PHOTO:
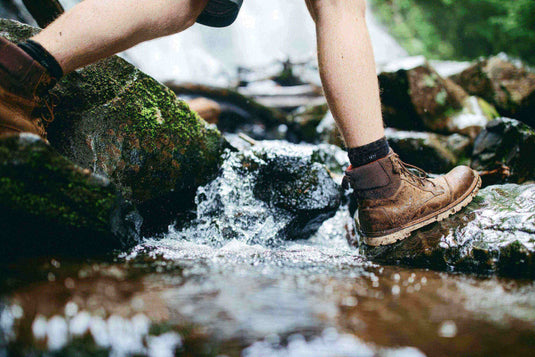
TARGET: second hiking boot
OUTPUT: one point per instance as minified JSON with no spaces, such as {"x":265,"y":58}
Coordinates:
{"x":23,"y":84}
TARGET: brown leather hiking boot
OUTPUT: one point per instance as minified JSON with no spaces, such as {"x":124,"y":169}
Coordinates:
{"x":393,"y":201}
{"x":23,"y":83}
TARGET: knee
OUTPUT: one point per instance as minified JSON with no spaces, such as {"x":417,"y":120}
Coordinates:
{"x":174,"y":17}
{"x":323,"y":8}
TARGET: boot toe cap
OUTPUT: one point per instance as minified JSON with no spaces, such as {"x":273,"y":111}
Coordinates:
{"x":461,"y":180}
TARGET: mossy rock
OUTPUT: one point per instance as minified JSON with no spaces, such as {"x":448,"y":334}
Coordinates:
{"x":48,"y":205}
{"x":415,"y":97}
{"x":124,"y":125}
{"x":507,"y":85}
{"x":495,"y":234}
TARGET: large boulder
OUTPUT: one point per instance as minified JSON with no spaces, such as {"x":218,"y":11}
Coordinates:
{"x":415,"y":97}
{"x":265,"y":193}
{"x":505,"y":152}
{"x":494,"y":234}
{"x":507,"y":85}
{"x":122,"y":124}
{"x":48,"y":205}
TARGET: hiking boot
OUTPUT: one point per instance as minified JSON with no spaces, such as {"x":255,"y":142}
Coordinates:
{"x":23,"y":84}
{"x":393,"y":200}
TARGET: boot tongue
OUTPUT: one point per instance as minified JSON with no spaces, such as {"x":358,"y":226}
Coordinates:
{"x":375,"y":180}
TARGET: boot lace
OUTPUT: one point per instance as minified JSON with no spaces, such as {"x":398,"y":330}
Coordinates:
{"x":44,"y":113}
{"x":414,"y":173}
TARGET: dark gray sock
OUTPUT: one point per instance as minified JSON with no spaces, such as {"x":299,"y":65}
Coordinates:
{"x":41,"y":55}
{"x":365,"y":154}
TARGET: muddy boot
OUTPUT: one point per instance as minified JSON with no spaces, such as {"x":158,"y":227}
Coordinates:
{"x":23,"y":84}
{"x":393,"y":200}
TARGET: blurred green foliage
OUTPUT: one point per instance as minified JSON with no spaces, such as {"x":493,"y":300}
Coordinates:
{"x":462,"y":29}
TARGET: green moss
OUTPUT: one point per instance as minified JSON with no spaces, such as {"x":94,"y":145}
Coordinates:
{"x":38,"y":181}
{"x":488,"y":109}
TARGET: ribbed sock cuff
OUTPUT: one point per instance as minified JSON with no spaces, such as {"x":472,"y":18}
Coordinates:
{"x":365,"y":154}
{"x":41,"y":55}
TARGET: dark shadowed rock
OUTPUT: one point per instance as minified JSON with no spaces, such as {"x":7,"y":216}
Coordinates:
{"x":432,"y":152}
{"x":506,"y":143}
{"x":48,"y":205}
{"x":494,"y":234}
{"x":124,"y":125}
{"x":510,"y":87}
{"x":415,"y":97}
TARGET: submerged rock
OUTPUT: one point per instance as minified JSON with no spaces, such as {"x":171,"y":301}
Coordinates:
{"x":48,"y":205}
{"x":494,"y":234}
{"x":124,"y":125}
{"x":510,"y":87}
{"x":432,"y":152}
{"x":415,"y":97}
{"x":505,"y":143}
{"x":272,"y":191}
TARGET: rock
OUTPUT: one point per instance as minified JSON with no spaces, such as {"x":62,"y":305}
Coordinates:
{"x":472,"y":118}
{"x":292,"y":181}
{"x":207,"y":109}
{"x":506,"y":143}
{"x":431,"y":152}
{"x":272,"y":191}
{"x":494,"y":234}
{"x":415,"y":97}
{"x":306,"y":119}
{"x":510,"y":87}
{"x":124,"y":125}
{"x":48,"y":205}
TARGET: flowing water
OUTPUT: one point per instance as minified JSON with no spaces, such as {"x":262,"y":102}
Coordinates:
{"x":227,"y":285}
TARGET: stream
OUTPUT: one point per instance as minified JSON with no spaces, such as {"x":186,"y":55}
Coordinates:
{"x":225,"y":284}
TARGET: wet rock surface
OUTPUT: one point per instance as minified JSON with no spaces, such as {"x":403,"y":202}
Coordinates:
{"x":270,"y":192}
{"x":509,"y":86}
{"x":494,"y":234}
{"x":506,"y":147}
{"x":48,"y":205}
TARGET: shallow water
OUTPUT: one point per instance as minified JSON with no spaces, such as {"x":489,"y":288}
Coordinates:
{"x":198,"y":292}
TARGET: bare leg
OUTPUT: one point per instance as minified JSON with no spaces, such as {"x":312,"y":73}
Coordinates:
{"x":347,"y":69}
{"x":95,"y":29}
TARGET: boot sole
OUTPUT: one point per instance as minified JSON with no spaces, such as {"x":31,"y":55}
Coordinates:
{"x":438,"y":216}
